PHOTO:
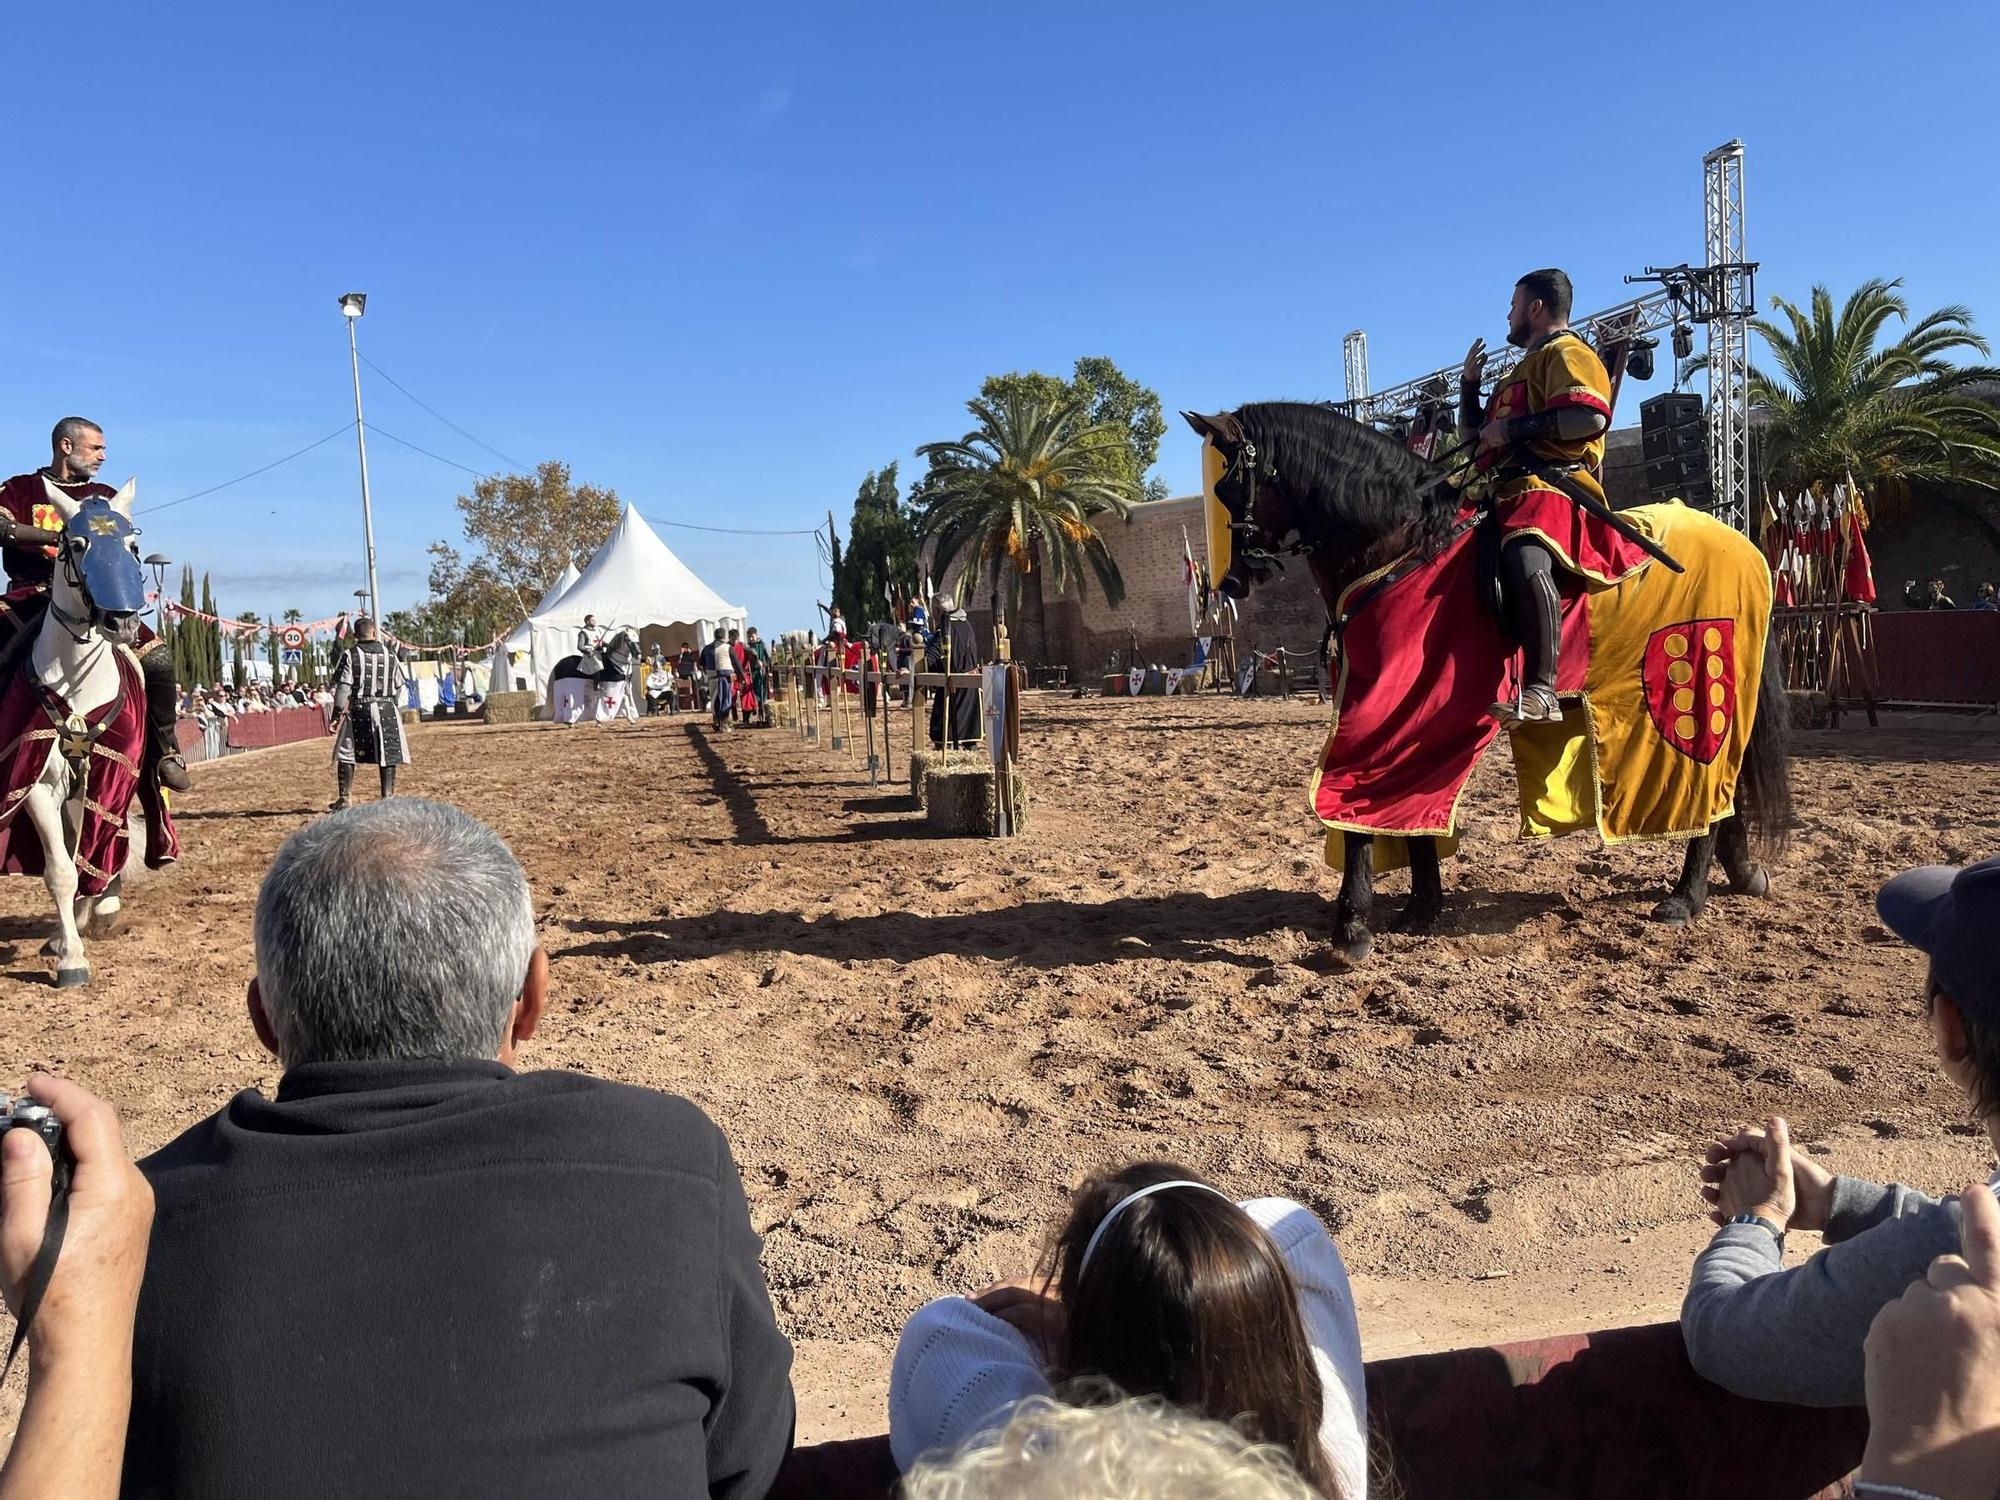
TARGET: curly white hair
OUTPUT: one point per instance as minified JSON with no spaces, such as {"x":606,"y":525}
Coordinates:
{"x":1139,"y":1446}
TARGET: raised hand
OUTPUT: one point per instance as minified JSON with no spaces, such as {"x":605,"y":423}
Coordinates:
{"x":1475,"y":363}
{"x":1933,"y":1369}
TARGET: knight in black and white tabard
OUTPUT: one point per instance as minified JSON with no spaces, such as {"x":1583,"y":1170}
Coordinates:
{"x":367,"y":706}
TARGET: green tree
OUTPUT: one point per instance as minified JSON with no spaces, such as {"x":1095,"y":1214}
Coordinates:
{"x":526,"y":529}
{"x":1023,"y":491}
{"x":1110,"y":398}
{"x":187,"y":639}
{"x":238,"y":673}
{"x":211,"y":636}
{"x":469,"y":602}
{"x":881,"y":552}
{"x":1844,"y":401}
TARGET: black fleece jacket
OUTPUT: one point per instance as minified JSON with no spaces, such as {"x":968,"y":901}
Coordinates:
{"x":445,"y":1279}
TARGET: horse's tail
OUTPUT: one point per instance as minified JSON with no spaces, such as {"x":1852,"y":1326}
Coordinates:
{"x":1764,"y":790}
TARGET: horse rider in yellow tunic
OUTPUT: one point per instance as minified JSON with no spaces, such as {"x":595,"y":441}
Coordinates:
{"x":1547,"y":416}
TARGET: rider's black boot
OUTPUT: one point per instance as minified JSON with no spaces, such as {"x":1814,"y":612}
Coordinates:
{"x":1536,"y":610}
{"x":344,"y":779}
{"x":388,"y":781}
{"x":156,"y":667}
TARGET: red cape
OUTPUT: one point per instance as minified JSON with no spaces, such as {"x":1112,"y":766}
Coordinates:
{"x":28,"y":727}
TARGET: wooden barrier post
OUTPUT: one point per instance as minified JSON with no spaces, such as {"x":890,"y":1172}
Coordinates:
{"x":867,"y":719}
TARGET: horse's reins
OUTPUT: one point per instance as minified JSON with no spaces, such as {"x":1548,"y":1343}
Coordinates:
{"x":1297,"y":542}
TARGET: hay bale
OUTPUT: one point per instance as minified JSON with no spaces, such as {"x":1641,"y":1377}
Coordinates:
{"x":413,"y":716}
{"x":1810,"y":709}
{"x":509,"y":708}
{"x":959,"y":795}
{"x":958,"y":798}
{"x":920,"y":765}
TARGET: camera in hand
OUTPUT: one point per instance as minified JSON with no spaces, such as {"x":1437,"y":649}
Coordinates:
{"x":25,"y":1114}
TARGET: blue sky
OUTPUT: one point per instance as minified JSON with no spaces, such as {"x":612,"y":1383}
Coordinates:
{"x":728,"y":259}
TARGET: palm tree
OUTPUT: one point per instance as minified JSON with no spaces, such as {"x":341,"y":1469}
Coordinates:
{"x":1891,"y":416}
{"x":1023,"y":490}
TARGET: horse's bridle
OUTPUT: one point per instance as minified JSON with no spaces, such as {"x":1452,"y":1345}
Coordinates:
{"x":1248,"y":467}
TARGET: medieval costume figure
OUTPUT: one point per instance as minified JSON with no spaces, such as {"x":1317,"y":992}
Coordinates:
{"x":749,"y":703}
{"x":955,"y":645}
{"x":1547,"y":418}
{"x":30,"y":529}
{"x":613,"y":694}
{"x":368,"y":722}
{"x":760,"y":674}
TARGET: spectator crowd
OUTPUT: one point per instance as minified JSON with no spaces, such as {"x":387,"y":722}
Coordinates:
{"x":1932,"y":595}
{"x":417,"y":1268}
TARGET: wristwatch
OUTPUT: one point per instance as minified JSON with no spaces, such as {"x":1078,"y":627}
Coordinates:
{"x":1764,"y":1224}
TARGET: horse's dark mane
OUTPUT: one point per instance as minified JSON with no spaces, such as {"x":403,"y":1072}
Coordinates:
{"x":1358,"y":482}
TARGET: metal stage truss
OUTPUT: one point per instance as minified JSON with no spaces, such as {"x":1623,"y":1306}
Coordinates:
{"x":1720,"y":295}
{"x":1354,"y":363}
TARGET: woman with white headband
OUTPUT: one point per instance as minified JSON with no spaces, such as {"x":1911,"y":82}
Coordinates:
{"x":1159,"y":1285}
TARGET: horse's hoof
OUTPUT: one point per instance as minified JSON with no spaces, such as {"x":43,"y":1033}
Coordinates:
{"x":69,"y":979}
{"x":1416,"y":918}
{"x":1675,"y":911}
{"x":1354,"y":944}
{"x":104,"y":924}
{"x":1756,"y":883}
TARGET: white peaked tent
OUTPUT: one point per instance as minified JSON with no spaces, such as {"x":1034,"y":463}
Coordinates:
{"x":502,"y":669}
{"x":634,"y":581}
{"x":517,"y":638}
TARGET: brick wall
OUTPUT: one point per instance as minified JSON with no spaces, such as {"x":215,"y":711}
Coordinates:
{"x":1153,"y":619}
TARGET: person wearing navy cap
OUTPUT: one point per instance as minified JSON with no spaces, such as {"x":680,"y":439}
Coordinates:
{"x":1796,"y":1335}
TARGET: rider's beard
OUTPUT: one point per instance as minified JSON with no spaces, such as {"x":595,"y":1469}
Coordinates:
{"x":1518,"y":332}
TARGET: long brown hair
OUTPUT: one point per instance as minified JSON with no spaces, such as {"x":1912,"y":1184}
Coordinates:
{"x":1186,"y":1298}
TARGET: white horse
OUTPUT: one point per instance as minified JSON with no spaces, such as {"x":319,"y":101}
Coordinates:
{"x":95,"y":596}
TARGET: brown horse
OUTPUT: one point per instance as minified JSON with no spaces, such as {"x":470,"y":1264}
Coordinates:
{"x":1366,"y":514}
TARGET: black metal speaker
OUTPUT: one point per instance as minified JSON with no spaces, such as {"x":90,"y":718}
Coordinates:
{"x":1670,"y":409}
{"x":1673,"y":475}
{"x":1672,"y":442}
{"x":1674,"y":439}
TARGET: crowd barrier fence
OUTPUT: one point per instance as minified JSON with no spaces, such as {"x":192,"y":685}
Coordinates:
{"x":284,"y":726}
{"x":1619,"y":1412}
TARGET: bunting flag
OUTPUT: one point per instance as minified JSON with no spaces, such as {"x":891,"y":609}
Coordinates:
{"x":338,"y":624}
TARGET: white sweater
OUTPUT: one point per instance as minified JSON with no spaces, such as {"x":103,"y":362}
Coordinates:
{"x":959,"y":1370}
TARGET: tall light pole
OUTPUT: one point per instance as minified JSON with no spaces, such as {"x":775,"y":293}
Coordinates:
{"x":351,"y":305}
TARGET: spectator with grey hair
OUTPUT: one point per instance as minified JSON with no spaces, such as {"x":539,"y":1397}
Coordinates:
{"x":414,"y":1270}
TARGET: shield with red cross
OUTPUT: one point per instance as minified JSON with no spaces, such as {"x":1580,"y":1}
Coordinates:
{"x":1691,"y":685}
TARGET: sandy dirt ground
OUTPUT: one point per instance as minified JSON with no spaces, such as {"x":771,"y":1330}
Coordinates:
{"x":919,"y":1045}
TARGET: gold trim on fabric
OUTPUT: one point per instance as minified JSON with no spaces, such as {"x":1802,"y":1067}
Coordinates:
{"x":22,"y":739}
{"x":1562,"y":552}
{"x":110,"y":754}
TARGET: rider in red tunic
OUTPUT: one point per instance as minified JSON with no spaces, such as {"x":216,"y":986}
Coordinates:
{"x":29,"y":530}
{"x":1549,"y":412}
